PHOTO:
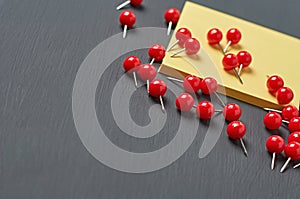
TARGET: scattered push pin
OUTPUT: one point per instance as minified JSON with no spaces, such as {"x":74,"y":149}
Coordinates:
{"x":284,"y":95}
{"x":230,"y":62}
{"x":272,"y":120}
{"x":244,"y":60}
{"x":214,"y":37}
{"x":232,"y":112}
{"x":296,"y":138}
{"x":158,"y":88}
{"x":147,"y":73}
{"x":292,"y":151}
{"x":181,"y":35}
{"x":205,"y":110}
{"x":127,"y":19}
{"x":209,"y":86}
{"x":237,"y":130}
{"x":287,"y":112}
{"x":191,"y":83}
{"x":184,"y":102}
{"x":294,"y":124}
{"x":274,"y":83}
{"x":191,"y":47}
{"x":233,"y":37}
{"x":156,"y":52}
{"x":275,"y":145}
{"x":171,"y":16}
{"x":134,"y":3}
{"x":131,"y":65}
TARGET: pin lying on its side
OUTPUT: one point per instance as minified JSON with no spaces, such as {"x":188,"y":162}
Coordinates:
{"x":275,"y":145}
{"x":157,"y":53}
{"x":191,"y":47}
{"x":230,"y":62}
{"x":127,"y":19}
{"x":134,"y":3}
{"x":233,"y":37}
{"x":158,"y":88}
{"x":214,"y":37}
{"x":181,"y":35}
{"x":171,"y":16}
{"x":237,"y":130}
{"x":131,"y":65}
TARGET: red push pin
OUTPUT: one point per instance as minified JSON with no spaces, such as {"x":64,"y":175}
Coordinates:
{"x":191,"y":47}
{"x":294,"y":124}
{"x":191,"y":83}
{"x":205,"y":110}
{"x":156,"y":52}
{"x":209,"y":86}
{"x":147,"y":73}
{"x":230,"y":62}
{"x":131,"y":64}
{"x":232,"y":112}
{"x":158,"y":88}
{"x":127,"y":19}
{"x":171,"y":16}
{"x":237,"y":130}
{"x":274,"y":83}
{"x":275,"y":145}
{"x":296,"y":138}
{"x":233,"y":37}
{"x":181,"y":35}
{"x":292,"y":151}
{"x":287,"y":112}
{"x":244,"y":60}
{"x":284,"y":95}
{"x":184,"y":102}
{"x":272,"y":120}
{"x":214,"y":37}
{"x":134,"y":3}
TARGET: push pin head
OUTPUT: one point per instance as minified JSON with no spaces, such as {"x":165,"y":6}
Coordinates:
{"x":294,"y":137}
{"x":233,"y":37}
{"x":244,"y":60}
{"x":181,"y":35}
{"x":294,"y":124}
{"x":272,"y":120}
{"x":284,"y":95}
{"x":156,"y":52}
{"x":191,"y":47}
{"x":134,"y":3}
{"x":147,"y":73}
{"x":230,"y":62}
{"x":127,"y":19}
{"x":289,"y":112}
{"x":131,"y":65}
{"x":214,"y":37}
{"x":232,"y":112}
{"x":171,"y":16}
{"x":274,"y":83}
{"x":209,"y":85}
{"x":205,"y":110}
{"x":158,"y":88}
{"x":292,"y":151}
{"x":184,"y":102}
{"x":275,"y":145}
{"x":236,"y":131}
{"x":191,"y":84}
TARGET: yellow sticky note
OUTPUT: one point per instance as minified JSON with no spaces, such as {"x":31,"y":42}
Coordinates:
{"x":272,"y":53}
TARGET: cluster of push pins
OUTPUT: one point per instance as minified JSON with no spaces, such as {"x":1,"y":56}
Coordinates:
{"x":205,"y":110}
{"x":127,"y":18}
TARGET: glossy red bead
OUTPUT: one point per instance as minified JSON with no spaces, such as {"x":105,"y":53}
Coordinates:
{"x":233,"y":35}
{"x":184,"y":102}
{"x":275,"y":144}
{"x":172,"y":15}
{"x":157,"y":88}
{"x":244,"y":58}
{"x":192,"y":46}
{"x":274,"y":83}
{"x":182,"y":35}
{"x":230,"y":61}
{"x":294,"y":124}
{"x":272,"y":120}
{"x":232,"y":112}
{"x":191,"y":84}
{"x":289,"y":112}
{"x":157,"y":52}
{"x":236,"y":130}
{"x":147,"y":72}
{"x":205,"y":110}
{"x":292,"y":150}
{"x":127,"y":18}
{"x":136,"y":2}
{"x":214,"y":36}
{"x":131,"y":64}
{"x":294,"y":137}
{"x":209,"y":85}
{"x":284,"y":95}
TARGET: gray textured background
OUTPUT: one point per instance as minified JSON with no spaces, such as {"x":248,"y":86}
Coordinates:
{"x":42,"y":45}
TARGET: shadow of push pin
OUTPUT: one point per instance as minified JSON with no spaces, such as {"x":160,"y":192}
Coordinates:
{"x":181,"y":35}
{"x":134,"y":3}
{"x":233,"y":37}
{"x":131,"y":65}
{"x":214,"y":37}
{"x":157,"y":53}
{"x":244,"y":60}
{"x":230,"y":62}
{"x":292,"y":151}
{"x":236,"y":131}
{"x":127,"y":19}
{"x":275,"y":145}
{"x":171,"y":16}
{"x":191,"y":47}
{"x":158,"y":88}
{"x":147,"y":73}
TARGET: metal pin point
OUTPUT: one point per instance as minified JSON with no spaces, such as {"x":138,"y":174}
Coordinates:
{"x":244,"y":147}
{"x":123,"y":5}
{"x":169,"y":28}
{"x":180,"y":51}
{"x":227,"y":46}
{"x":296,"y":166}
{"x":125,"y":31}
{"x":162,"y":104}
{"x":285,"y":165}
{"x":273,"y":161}
{"x":135,"y":79}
